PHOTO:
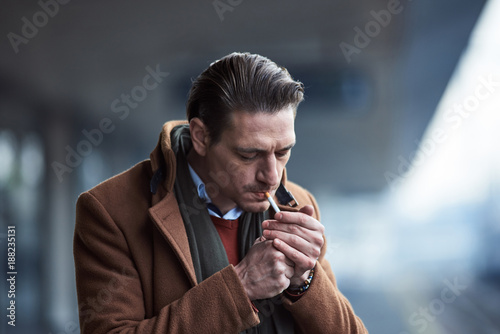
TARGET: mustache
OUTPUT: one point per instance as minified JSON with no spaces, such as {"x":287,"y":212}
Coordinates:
{"x":259,"y":189}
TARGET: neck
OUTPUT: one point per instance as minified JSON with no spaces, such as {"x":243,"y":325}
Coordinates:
{"x":212,"y":188}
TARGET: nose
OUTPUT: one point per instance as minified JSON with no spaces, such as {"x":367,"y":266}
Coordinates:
{"x":268,"y":172}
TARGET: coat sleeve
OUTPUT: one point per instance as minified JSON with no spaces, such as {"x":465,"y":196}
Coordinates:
{"x":110,"y":294}
{"x":323,"y":308}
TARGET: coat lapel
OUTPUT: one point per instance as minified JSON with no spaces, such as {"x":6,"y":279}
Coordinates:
{"x":166,"y":216}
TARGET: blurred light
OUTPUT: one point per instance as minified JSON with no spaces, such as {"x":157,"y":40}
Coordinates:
{"x":7,"y":156}
{"x":458,"y":157}
{"x":32,"y":160}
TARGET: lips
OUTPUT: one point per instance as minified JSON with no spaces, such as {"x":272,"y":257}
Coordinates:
{"x":259,"y":192}
{"x":260,"y":195}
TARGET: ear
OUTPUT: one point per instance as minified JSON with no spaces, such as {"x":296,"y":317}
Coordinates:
{"x":199,"y":136}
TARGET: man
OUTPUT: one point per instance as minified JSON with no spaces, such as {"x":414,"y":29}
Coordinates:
{"x":186,"y":242}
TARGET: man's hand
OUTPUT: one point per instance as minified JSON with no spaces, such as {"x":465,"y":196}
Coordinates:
{"x":264,"y":272}
{"x":300,"y":237}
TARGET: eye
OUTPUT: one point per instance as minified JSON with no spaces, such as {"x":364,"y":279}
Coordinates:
{"x":282,"y":154}
{"x":248,"y":157}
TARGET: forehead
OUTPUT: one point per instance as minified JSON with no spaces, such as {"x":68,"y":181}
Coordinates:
{"x":261,"y":129}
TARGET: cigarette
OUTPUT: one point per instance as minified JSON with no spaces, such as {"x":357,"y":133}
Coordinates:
{"x":273,"y":203}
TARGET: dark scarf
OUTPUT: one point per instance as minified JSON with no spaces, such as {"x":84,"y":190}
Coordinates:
{"x":207,"y":251}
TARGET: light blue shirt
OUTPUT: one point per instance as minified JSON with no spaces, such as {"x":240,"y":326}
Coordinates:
{"x":232,"y":214}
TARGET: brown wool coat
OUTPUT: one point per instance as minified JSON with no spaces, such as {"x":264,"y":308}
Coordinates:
{"x":134,"y":272}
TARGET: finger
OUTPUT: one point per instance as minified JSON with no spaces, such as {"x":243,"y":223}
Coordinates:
{"x":300,"y":219}
{"x":280,"y":258}
{"x":302,"y":262}
{"x":284,"y":227}
{"x":259,"y":240}
{"x":289,"y":271}
{"x":307,"y":248}
{"x":274,"y":229}
{"x":283,"y":268}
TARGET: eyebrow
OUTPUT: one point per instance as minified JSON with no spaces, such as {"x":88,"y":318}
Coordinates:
{"x":259,"y":150}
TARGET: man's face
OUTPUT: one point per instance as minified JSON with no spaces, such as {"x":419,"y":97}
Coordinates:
{"x":249,"y":159}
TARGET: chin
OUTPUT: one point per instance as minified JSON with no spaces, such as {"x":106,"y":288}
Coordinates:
{"x":255,"y":207}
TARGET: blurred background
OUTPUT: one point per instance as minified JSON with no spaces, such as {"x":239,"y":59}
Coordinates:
{"x":397,"y":138}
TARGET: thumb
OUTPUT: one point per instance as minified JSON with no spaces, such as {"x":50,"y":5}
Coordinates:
{"x":308,"y":210}
{"x":259,"y":240}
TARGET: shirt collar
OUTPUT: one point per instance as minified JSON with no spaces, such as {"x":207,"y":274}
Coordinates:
{"x":232,"y":214}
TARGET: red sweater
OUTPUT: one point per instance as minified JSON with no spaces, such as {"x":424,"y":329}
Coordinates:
{"x":228,"y":232}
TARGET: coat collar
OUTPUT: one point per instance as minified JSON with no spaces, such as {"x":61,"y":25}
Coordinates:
{"x":164,"y":210}
{"x":163,"y":155}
